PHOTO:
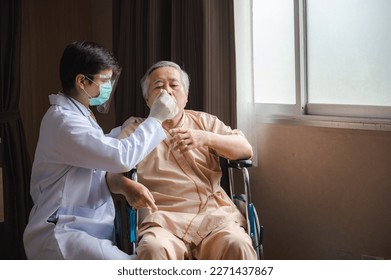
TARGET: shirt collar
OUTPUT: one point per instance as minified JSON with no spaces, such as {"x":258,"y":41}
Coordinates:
{"x":68,"y":103}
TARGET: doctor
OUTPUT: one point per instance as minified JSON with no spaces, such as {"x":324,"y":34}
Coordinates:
{"x":73,"y":212}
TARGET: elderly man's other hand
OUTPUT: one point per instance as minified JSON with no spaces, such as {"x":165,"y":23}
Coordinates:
{"x":139,"y":196}
{"x":136,"y":194}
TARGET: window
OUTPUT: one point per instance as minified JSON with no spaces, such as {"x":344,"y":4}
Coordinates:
{"x":275,"y":62}
{"x":322,"y":57}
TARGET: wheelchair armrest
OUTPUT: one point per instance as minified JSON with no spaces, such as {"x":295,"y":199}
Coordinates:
{"x":239,"y":164}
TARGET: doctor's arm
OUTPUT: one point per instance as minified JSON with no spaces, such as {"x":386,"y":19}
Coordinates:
{"x":136,"y":194}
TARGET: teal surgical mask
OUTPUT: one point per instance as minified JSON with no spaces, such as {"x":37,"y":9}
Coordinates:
{"x":104,"y":93}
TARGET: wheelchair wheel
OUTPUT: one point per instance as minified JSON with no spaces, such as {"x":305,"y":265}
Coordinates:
{"x":256,"y":231}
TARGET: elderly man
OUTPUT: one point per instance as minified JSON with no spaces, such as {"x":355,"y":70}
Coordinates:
{"x":195,"y":218}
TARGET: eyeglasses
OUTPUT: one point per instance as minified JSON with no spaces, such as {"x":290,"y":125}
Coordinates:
{"x":103,"y":77}
{"x":106,"y":77}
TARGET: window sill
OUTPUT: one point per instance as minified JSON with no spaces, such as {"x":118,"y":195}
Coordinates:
{"x":327,"y":121}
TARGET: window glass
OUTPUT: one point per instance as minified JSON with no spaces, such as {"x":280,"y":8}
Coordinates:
{"x":348,"y":52}
{"x":273,"y":51}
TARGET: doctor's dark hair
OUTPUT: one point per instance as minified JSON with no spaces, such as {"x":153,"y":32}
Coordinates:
{"x":87,"y":58}
{"x":184,"y":76}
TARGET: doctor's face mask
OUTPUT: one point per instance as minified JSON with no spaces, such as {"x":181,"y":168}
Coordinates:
{"x":104,"y":93}
{"x":106,"y":88}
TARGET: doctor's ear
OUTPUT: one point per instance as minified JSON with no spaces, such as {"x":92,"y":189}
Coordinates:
{"x":80,"y":80}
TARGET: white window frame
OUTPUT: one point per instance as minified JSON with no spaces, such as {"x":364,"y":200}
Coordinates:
{"x":329,"y":115}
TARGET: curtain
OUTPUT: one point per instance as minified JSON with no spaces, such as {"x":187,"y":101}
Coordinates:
{"x":246,"y":119}
{"x":198,"y":35}
{"x":14,"y":162}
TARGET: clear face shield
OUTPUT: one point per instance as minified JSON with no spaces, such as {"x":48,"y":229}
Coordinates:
{"x":104,"y":108}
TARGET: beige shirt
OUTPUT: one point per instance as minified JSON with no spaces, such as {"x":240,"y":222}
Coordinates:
{"x":186,"y":186}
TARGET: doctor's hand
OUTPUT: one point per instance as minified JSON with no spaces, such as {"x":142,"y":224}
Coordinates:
{"x":136,"y":194}
{"x":163,"y":107}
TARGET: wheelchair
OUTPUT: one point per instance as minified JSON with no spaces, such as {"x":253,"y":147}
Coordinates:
{"x":126,"y":226}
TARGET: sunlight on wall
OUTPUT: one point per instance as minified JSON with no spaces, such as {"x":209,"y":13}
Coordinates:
{"x":244,"y":76}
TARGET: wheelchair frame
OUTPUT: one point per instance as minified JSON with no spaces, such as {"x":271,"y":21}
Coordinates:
{"x":254,"y":227}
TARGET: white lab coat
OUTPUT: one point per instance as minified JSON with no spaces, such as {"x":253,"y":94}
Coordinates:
{"x":73,"y":212}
